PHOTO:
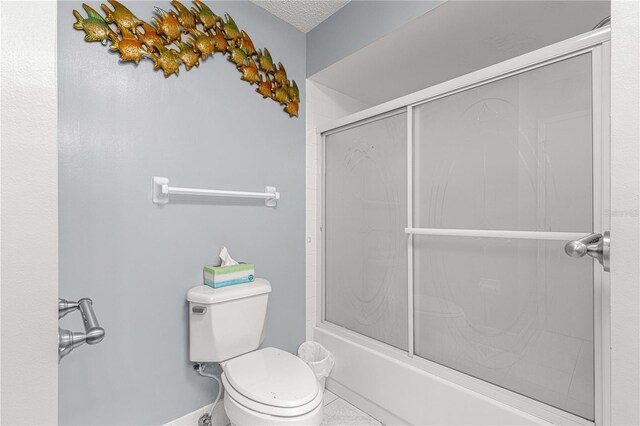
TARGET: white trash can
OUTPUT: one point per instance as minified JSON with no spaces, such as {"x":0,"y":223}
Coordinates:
{"x":318,"y":358}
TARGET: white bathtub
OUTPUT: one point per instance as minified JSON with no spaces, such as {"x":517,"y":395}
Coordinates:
{"x":397,"y":389}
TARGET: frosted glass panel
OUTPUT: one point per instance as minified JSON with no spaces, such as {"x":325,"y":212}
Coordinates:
{"x":515,"y":154}
{"x":516,"y":313}
{"x":365,"y":217}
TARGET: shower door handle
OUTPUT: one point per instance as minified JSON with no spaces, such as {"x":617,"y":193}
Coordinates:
{"x":597,"y":246}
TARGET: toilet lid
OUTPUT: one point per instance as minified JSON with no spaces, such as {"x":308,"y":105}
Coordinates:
{"x":273,"y":377}
{"x":233,"y":395}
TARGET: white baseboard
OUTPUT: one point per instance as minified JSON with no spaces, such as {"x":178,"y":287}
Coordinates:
{"x":218,"y":417}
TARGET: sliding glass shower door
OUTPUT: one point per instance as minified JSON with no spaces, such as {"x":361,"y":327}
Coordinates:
{"x":365,"y":213}
{"x":445,"y":224}
{"x":512,"y":155}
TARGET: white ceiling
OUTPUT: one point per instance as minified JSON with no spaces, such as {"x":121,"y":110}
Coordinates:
{"x":302,"y":14}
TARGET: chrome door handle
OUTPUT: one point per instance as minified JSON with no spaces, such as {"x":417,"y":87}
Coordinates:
{"x":597,"y":246}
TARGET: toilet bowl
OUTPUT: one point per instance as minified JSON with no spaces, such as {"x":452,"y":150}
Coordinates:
{"x":271,"y":387}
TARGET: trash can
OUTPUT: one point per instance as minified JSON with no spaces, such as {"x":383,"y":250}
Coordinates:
{"x":318,"y":358}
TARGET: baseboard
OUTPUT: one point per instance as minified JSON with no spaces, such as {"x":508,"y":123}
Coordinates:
{"x":218,"y":417}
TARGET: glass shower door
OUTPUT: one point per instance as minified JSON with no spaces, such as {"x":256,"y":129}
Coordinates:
{"x":365,"y":201}
{"x":502,"y":178}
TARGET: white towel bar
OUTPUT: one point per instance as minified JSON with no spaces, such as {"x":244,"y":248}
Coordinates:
{"x":161,"y":191}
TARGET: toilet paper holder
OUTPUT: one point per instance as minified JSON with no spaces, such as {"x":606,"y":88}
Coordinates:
{"x":69,"y":340}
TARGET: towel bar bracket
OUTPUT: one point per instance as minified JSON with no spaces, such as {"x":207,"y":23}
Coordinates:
{"x":271,"y":201}
{"x":160,"y":190}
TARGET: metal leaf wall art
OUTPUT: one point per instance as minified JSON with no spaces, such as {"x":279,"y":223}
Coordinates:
{"x":184,"y":37}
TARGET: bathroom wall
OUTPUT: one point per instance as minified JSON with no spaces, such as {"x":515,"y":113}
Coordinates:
{"x":120,"y":124}
{"x":356,"y":25}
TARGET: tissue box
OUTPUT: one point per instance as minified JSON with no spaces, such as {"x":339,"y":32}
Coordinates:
{"x":222,"y":276}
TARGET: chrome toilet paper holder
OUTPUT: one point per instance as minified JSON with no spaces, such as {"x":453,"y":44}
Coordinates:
{"x":69,"y":340}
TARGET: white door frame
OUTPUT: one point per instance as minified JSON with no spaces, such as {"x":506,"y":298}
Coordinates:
{"x":625,"y":216}
{"x":29,"y":213}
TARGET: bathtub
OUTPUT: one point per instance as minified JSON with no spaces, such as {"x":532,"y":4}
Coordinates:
{"x":397,"y":389}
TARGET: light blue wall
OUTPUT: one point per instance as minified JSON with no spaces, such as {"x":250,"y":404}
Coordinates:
{"x":356,"y":25}
{"x":119,"y":125}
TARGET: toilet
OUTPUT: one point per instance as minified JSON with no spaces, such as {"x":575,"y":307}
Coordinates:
{"x":262,"y":386}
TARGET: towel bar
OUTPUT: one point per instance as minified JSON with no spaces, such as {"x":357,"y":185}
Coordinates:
{"x":162,"y":190}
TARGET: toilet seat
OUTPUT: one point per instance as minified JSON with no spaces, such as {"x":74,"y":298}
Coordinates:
{"x":273,"y":382}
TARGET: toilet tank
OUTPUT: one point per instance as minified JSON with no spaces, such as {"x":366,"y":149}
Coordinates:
{"x":226,"y":322}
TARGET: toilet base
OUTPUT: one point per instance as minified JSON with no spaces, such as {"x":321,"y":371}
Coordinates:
{"x":242,"y":416}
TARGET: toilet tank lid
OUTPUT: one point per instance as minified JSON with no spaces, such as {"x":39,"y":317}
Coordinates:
{"x":209,"y":295}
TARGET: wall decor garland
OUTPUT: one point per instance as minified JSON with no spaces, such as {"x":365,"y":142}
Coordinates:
{"x":184,"y":37}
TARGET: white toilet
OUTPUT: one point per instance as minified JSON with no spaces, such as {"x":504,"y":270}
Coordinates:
{"x":263,"y":387}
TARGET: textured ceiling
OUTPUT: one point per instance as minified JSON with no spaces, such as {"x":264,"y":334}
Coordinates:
{"x":302,"y":14}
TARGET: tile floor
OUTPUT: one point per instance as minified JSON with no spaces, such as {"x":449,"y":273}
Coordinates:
{"x":338,"y":412}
